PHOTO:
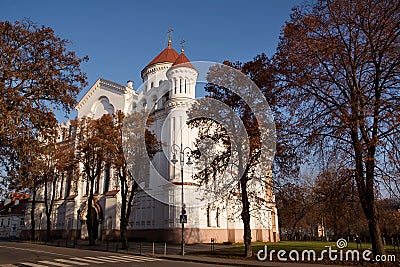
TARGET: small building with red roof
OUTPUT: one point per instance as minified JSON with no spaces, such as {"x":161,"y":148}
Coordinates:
{"x":12,"y":216}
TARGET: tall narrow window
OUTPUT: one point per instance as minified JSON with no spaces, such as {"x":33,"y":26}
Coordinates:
{"x":87,"y":187}
{"x":175,"y":85}
{"x":97,"y":181}
{"x":185,"y":86}
{"x":68,"y":185}
{"x":106,"y":178}
{"x":62,"y":184}
{"x":109,"y":223}
{"x":116,"y":180}
{"x":173,"y":129}
{"x":208,"y":216}
{"x":180,"y":86}
{"x":273,"y":220}
{"x":217,"y":217}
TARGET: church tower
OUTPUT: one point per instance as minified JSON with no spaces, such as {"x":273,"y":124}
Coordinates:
{"x":182,"y":78}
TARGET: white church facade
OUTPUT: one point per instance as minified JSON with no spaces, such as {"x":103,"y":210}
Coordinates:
{"x":169,"y":85}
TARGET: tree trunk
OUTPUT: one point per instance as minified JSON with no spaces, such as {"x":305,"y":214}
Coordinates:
{"x":123,"y":221}
{"x":248,"y":252}
{"x":375,"y":233}
{"x":48,"y":227}
{"x":366,"y":192}
{"x":124,"y":237}
{"x":89,"y":217}
{"x":126,"y":205}
{"x":33,"y":224}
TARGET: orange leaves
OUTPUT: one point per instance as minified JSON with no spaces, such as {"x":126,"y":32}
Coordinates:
{"x":37,"y":74}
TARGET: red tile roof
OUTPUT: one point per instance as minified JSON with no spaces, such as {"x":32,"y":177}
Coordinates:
{"x":12,"y":209}
{"x":167,"y":55}
{"x":19,"y":196}
{"x":183,"y":61}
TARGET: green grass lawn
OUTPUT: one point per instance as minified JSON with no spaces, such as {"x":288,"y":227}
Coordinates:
{"x":237,"y":250}
{"x":318,"y":246}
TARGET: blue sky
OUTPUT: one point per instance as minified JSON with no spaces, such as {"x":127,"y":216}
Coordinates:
{"x":121,"y":37}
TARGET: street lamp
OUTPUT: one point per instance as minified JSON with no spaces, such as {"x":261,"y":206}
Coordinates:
{"x":174,"y":160}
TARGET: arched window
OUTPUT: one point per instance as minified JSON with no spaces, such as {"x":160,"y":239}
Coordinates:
{"x":151,"y":85}
{"x":180,"y":86}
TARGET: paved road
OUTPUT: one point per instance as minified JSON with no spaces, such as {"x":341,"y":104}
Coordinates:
{"x":27,"y":254}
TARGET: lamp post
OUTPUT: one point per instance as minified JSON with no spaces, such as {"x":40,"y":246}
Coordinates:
{"x":174,"y":160}
{"x":77,"y":223}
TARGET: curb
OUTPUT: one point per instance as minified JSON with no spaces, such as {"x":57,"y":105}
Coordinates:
{"x":198,"y":260}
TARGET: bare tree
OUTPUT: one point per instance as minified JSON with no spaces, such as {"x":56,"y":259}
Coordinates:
{"x":338,"y":70}
{"x":134,"y":145}
{"x":238,"y":160}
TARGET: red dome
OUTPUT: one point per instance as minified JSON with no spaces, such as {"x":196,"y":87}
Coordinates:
{"x":167,"y":55}
{"x":183,"y":61}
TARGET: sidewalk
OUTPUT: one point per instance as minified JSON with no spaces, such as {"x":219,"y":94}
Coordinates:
{"x":238,"y":262}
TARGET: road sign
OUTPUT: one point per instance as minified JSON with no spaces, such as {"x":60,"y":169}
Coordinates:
{"x":183,"y":218}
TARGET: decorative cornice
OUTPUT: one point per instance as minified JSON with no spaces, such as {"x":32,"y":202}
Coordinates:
{"x":155,"y":68}
{"x":179,"y":102}
{"x":186,"y":183}
{"x":112,"y":86}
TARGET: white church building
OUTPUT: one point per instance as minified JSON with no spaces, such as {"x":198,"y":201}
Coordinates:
{"x":169,"y":85}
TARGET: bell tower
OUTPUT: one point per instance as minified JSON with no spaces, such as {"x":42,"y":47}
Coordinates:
{"x":182,"y":76}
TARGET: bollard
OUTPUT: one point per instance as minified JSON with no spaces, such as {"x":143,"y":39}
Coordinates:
{"x":140,"y":249}
{"x":165,"y":249}
{"x":107,"y":245}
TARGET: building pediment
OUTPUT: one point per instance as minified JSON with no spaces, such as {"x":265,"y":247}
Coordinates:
{"x":104,"y":97}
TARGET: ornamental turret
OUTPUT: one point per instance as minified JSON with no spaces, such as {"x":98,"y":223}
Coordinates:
{"x":182,"y":77}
